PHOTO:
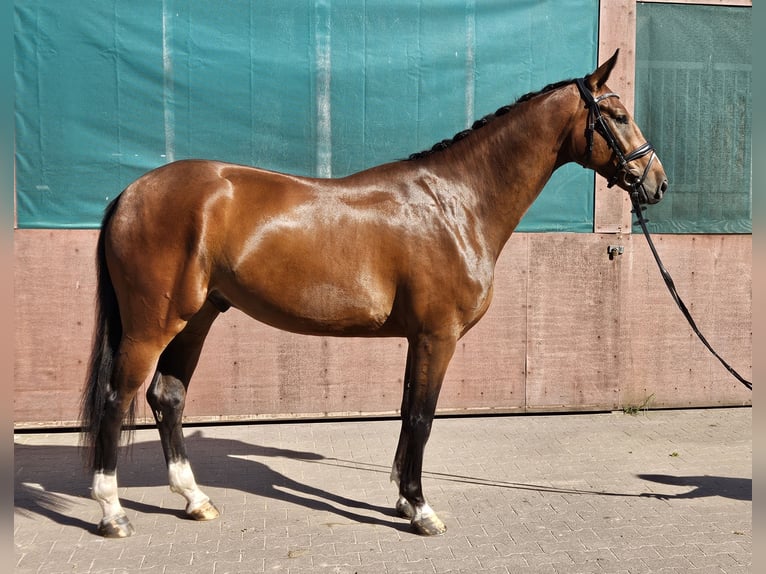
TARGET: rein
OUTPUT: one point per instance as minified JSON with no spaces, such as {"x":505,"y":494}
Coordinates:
{"x":596,"y":122}
{"x":638,"y":210}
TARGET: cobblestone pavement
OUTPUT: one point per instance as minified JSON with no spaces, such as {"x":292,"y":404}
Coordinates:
{"x":661,"y":491}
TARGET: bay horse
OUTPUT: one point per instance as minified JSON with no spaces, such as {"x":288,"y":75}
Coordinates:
{"x":405,"y":249}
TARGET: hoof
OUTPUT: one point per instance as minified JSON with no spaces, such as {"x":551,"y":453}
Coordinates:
{"x":117,"y":527}
{"x":404,"y":509}
{"x":429,"y":525}
{"x":206,"y":511}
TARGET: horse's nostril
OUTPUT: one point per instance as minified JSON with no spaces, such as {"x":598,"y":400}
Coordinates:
{"x":661,"y":190}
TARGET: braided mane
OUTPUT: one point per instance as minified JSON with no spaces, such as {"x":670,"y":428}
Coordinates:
{"x":480,"y":123}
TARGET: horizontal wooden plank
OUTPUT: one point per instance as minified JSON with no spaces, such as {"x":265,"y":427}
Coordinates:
{"x":569,"y":329}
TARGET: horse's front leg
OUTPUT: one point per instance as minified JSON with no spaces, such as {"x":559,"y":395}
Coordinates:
{"x":167,"y":395}
{"x":167,"y":398}
{"x":427,"y":359}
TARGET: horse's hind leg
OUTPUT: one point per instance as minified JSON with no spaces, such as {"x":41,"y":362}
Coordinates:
{"x":167,"y":397}
{"x":134,"y":363}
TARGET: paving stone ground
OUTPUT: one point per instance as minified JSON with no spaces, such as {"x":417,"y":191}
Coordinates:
{"x":658,"y":492}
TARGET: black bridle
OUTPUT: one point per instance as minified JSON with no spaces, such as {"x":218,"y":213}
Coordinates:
{"x":597,"y":123}
{"x":638,"y":195}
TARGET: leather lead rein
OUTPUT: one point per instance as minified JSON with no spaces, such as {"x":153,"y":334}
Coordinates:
{"x":638,"y":210}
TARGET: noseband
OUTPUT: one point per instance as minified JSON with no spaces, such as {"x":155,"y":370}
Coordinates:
{"x":596,"y":122}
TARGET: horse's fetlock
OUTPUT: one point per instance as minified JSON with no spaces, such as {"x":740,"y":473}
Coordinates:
{"x":412,"y":491}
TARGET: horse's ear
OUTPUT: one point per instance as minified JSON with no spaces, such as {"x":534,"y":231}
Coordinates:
{"x":598,"y":78}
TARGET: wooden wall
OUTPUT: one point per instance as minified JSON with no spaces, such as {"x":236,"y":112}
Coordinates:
{"x":568,"y":330}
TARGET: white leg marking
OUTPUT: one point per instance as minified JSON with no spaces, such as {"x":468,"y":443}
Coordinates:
{"x":104,"y":490}
{"x":423,"y":512}
{"x":426,"y":522}
{"x":181,"y":479}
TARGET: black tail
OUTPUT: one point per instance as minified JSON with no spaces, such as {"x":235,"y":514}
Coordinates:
{"x":106,"y":339}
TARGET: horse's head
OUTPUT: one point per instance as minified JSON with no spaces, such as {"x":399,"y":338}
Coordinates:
{"x":607,"y":140}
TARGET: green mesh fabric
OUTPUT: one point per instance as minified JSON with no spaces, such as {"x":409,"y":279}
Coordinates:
{"x":694,"y":103}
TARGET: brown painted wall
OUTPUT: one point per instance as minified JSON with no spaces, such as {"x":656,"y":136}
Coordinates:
{"x":568,"y":330}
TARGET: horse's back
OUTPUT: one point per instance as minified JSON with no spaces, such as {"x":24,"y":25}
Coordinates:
{"x":200,"y":197}
{"x":303,"y":254}
{"x":285,"y":249}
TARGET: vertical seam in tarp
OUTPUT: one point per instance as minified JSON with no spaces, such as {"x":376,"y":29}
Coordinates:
{"x":323,"y":56}
{"x":470,"y":61}
{"x":252,"y":85}
{"x":115,"y":57}
{"x":168,"y":86}
{"x":365,"y":87}
{"x":418,"y":66}
{"x":42,"y":118}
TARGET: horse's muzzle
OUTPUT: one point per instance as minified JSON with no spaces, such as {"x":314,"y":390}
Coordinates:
{"x":646,"y":196}
{"x":659,"y":192}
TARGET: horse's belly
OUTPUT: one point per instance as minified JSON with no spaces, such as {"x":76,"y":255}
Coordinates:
{"x":312,"y":270}
{"x":319,"y":318}
{"x":329,"y":307}
{"x":315,"y":307}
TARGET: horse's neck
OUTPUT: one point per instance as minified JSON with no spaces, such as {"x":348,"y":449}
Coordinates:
{"x":513,"y":158}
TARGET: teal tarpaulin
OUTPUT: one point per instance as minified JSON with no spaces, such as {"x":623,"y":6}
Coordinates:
{"x":107,"y":90}
{"x":694,"y":100}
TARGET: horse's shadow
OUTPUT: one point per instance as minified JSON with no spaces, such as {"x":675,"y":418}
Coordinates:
{"x":44,"y":475}
{"x":703,"y":486}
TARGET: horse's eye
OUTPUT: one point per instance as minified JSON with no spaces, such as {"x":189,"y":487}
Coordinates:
{"x":621,"y":119}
